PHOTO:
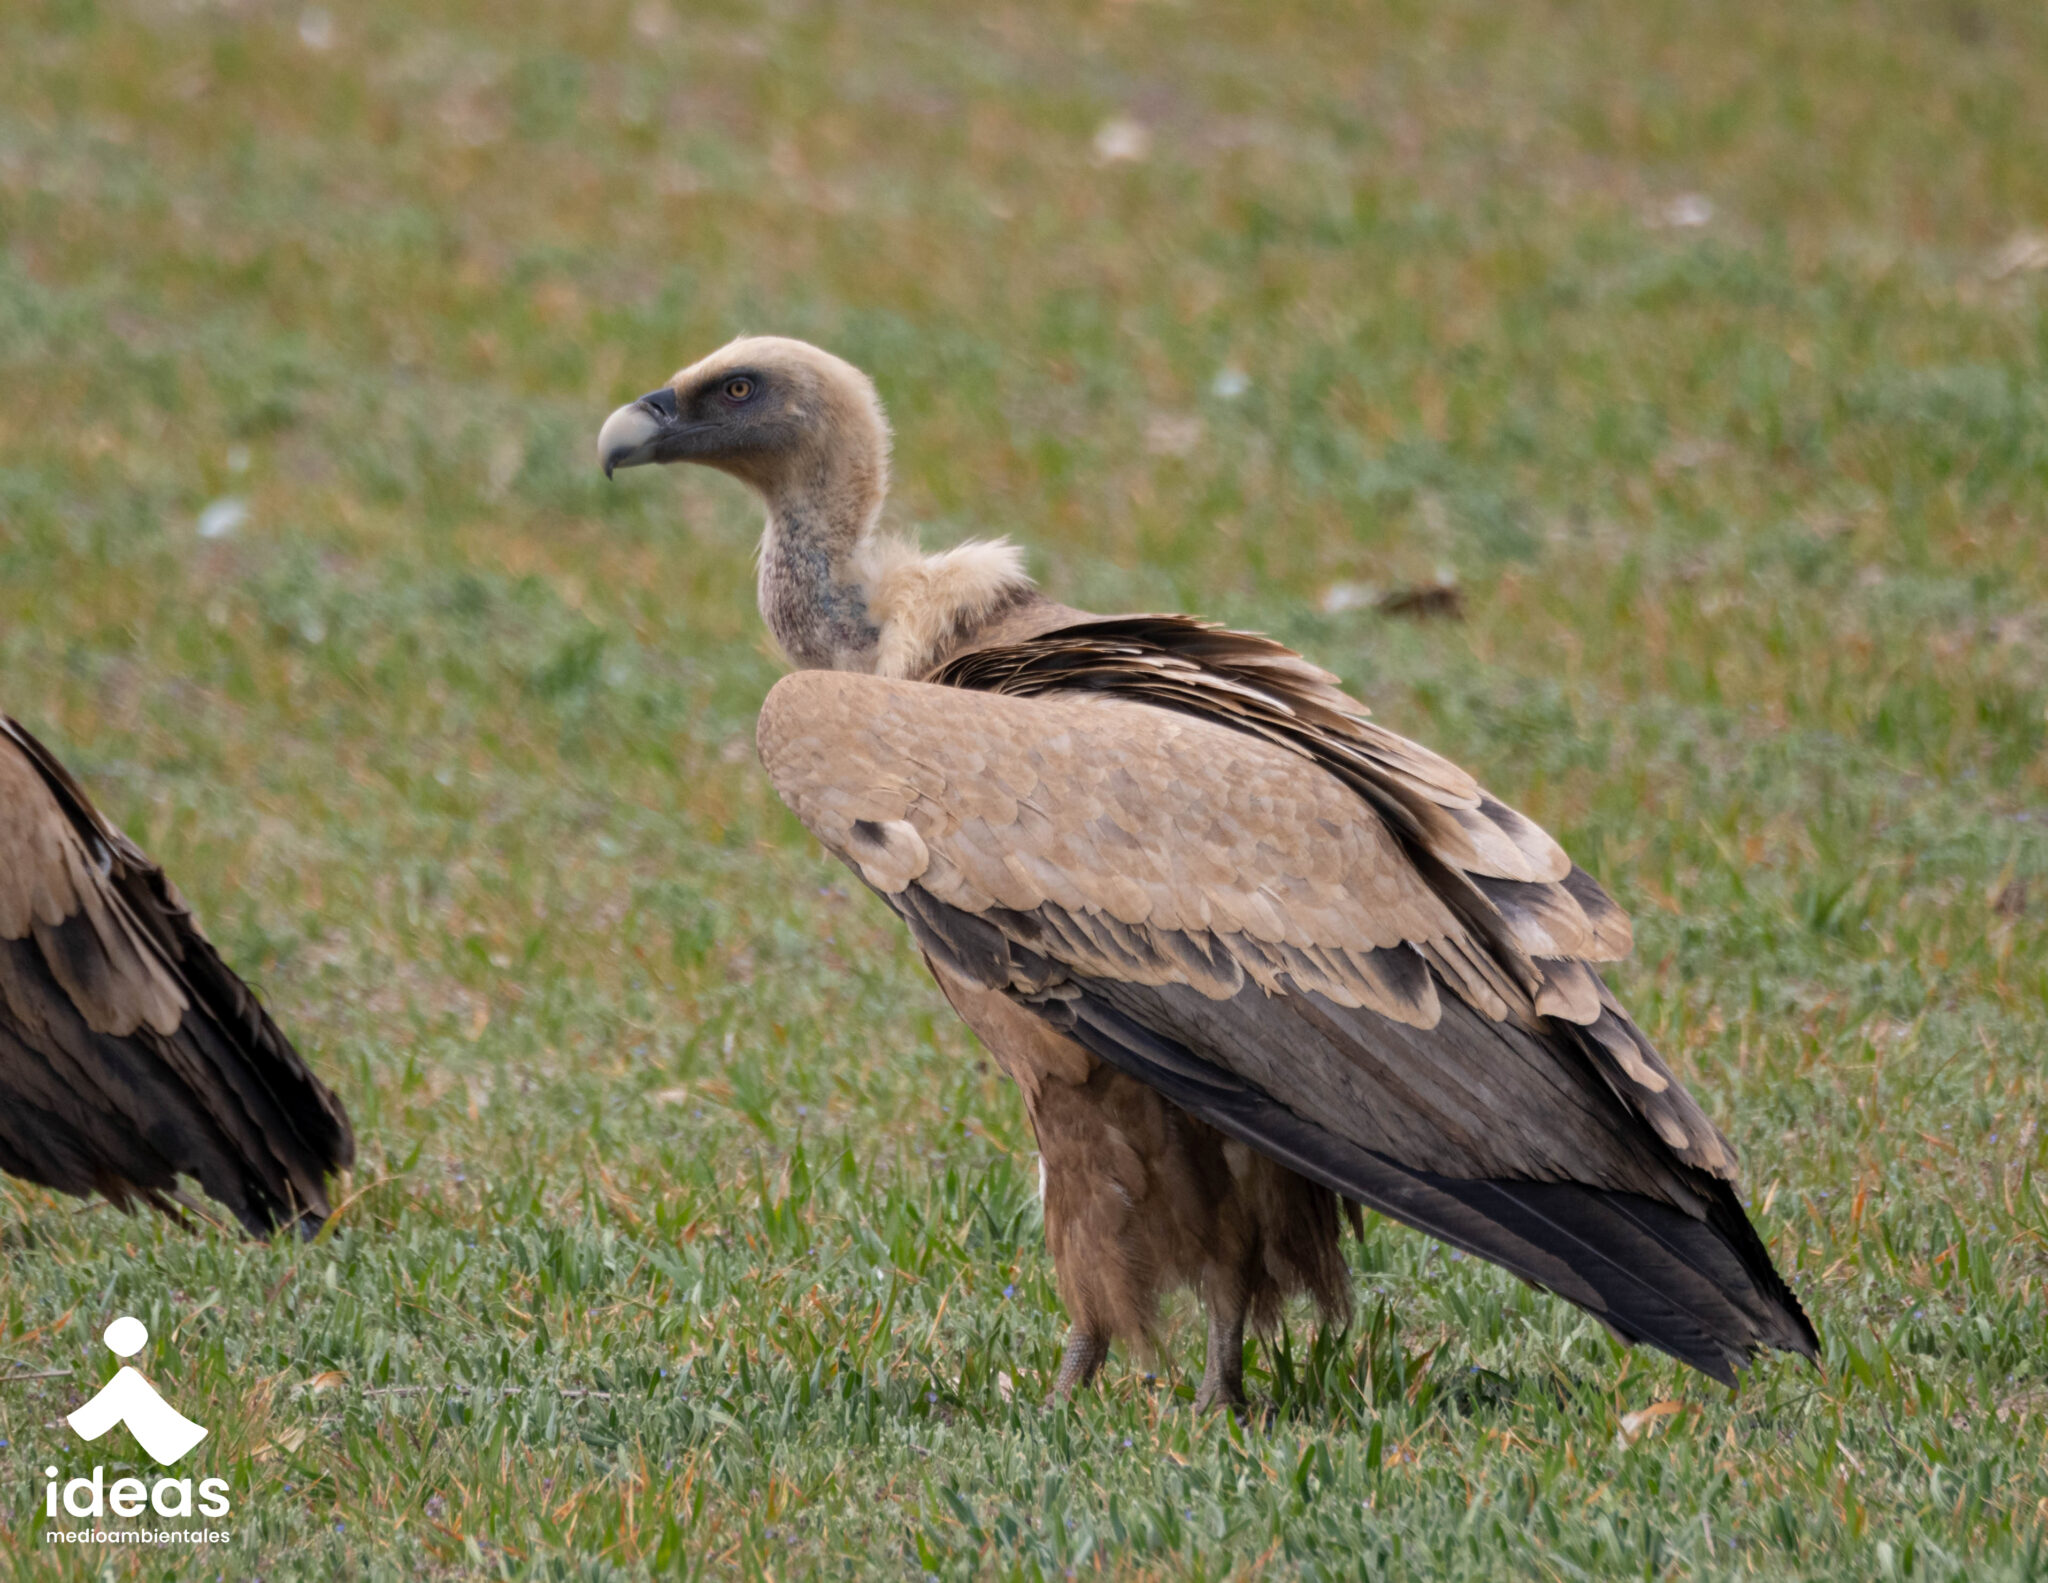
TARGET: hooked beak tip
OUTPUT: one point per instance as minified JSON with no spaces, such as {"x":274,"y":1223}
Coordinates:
{"x":630,"y":436}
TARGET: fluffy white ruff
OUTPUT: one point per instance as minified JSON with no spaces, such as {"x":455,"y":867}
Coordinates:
{"x":923,"y":603}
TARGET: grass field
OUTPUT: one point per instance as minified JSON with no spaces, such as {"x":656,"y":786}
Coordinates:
{"x":1704,"y":346}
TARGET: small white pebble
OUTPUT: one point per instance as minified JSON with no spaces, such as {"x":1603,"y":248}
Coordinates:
{"x":1122,"y":140}
{"x":1340,"y":597}
{"x":316,"y":28}
{"x":1230,"y":383}
{"x":222,"y":518}
{"x":1686,"y":212}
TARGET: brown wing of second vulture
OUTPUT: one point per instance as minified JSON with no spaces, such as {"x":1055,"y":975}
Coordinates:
{"x":129,"y":1053}
{"x":1186,"y":851}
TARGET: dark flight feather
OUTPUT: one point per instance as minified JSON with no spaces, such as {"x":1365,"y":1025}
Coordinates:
{"x":130,"y":1054}
{"x":1698,"y":1285}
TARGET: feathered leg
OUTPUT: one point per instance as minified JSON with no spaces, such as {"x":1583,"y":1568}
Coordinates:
{"x":1223,"y":1374}
{"x":1085,"y":1354}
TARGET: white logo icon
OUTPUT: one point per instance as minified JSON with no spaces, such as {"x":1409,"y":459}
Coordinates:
{"x":158,"y":1427}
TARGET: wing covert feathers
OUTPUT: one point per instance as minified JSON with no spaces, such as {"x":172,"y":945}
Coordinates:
{"x":1190,"y":851}
{"x":129,"y":1052}
{"x":1117,"y":840}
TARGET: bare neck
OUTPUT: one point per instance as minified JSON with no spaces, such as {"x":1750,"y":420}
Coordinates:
{"x":838,"y":596}
{"x":809,"y":588}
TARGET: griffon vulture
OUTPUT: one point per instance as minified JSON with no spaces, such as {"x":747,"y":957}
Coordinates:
{"x":129,"y":1053}
{"x":1250,"y":956}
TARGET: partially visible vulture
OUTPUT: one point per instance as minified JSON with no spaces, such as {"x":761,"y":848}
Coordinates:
{"x":1252,"y":958}
{"x":129,"y":1053}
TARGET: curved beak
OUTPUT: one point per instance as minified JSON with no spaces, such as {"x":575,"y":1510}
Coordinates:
{"x":633,"y":434}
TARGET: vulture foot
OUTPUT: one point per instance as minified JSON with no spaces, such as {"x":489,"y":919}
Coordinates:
{"x":1085,"y":1354}
{"x":1217,"y":1393}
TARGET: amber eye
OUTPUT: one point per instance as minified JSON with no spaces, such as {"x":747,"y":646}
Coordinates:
{"x":738,"y":389}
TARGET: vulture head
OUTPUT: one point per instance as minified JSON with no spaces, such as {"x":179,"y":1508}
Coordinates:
{"x":781,"y":415}
{"x":805,"y":430}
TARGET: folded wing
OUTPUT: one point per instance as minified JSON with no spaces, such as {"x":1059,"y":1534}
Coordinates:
{"x":129,"y":1053}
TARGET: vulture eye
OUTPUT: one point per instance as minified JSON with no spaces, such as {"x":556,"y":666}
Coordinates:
{"x":738,"y":389}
